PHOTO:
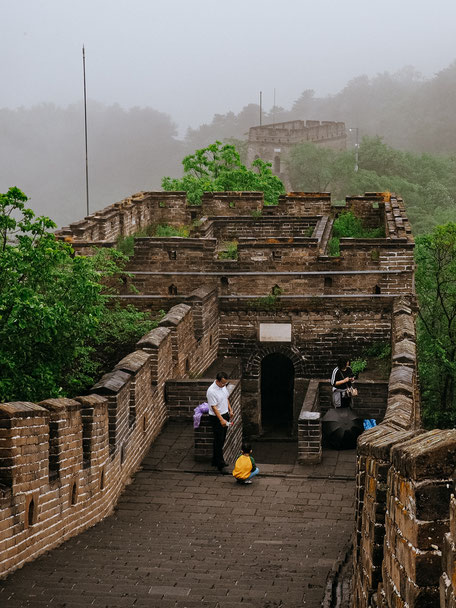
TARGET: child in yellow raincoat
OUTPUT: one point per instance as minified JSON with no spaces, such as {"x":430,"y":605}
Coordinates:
{"x":245,"y":467}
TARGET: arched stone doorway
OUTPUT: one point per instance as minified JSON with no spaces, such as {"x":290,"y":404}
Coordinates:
{"x":277,"y":389}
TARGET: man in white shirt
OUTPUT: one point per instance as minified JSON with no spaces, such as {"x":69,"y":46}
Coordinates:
{"x":220,"y":413}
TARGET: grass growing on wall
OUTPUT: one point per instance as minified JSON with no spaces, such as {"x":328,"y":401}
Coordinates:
{"x":229,"y":251}
{"x":126,"y":244}
{"x":334,"y":247}
{"x":347,"y":225}
{"x":167,"y":230}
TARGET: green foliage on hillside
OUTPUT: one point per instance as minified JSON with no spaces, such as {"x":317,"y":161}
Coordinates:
{"x":218,"y":168}
{"x":427,"y":183}
{"x":55,"y":327}
{"x":435,"y":256}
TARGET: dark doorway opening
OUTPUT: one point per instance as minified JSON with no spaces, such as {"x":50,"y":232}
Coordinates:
{"x":277,"y":385}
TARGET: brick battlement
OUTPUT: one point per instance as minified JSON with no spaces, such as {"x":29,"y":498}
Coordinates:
{"x":404,"y":542}
{"x":297,"y":131}
{"x":144,"y":209}
{"x":64,"y":462}
{"x":274,"y":142}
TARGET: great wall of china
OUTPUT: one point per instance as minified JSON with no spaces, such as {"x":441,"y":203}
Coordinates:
{"x":65,"y":462}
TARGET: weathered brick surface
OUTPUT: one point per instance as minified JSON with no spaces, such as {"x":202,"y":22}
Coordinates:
{"x":372,"y":483}
{"x":274,"y":142}
{"x":64,"y":463}
{"x":129,"y":216}
{"x":384,"y":557}
{"x":318,"y":336}
{"x":72,"y":458}
{"x":184,"y":539}
{"x":255,"y":281}
{"x":417,"y":517}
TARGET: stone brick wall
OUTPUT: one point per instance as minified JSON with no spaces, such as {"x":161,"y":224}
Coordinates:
{"x":302,"y":203}
{"x":231,"y":203}
{"x":129,"y":216}
{"x":183,"y":395}
{"x":226,"y":229}
{"x":273,"y":142}
{"x":172,"y":253}
{"x":420,"y":482}
{"x":309,"y":426}
{"x":370,"y":403}
{"x":404,"y":551}
{"x":168,"y":266}
{"x":204,"y":435}
{"x":65,"y":462}
{"x":159,"y":285}
{"x":372,"y":483}
{"x":448,"y":577}
{"x":359,"y":322}
{"x":372,"y":215}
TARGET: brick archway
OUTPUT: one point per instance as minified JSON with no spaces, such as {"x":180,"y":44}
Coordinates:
{"x":251,"y":388}
{"x":252,"y":367}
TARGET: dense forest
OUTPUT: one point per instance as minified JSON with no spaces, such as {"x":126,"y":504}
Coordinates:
{"x":130,"y":150}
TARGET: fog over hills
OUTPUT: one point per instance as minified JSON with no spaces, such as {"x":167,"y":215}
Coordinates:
{"x":166,"y":78}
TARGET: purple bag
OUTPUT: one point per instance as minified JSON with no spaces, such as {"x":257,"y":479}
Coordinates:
{"x":199,"y":410}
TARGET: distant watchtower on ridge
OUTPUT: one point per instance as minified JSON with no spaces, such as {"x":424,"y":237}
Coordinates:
{"x":273,"y":142}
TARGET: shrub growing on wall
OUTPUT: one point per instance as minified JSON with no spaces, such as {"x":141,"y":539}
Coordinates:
{"x":347,"y":225}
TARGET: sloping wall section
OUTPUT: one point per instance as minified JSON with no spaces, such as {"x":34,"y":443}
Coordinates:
{"x":65,"y":462}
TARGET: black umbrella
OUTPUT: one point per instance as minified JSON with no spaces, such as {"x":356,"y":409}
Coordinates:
{"x":341,"y":428}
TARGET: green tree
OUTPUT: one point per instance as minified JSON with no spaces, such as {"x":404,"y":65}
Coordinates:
{"x":435,"y":256}
{"x":52,"y":306}
{"x":218,"y":168}
{"x":427,"y":183}
{"x":311,"y":168}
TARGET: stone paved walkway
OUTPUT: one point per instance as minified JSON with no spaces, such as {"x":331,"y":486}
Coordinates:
{"x":183,"y":536}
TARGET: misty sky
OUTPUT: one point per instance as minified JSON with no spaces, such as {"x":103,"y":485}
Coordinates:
{"x":195,"y":58}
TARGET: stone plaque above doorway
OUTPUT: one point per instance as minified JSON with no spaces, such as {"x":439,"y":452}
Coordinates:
{"x":275,"y":332}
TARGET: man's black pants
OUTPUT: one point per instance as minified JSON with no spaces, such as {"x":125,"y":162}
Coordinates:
{"x":219,"y":439}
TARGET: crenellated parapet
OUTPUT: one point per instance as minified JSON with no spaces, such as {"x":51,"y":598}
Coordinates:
{"x":64,"y":462}
{"x":403,"y":545}
{"x":128,"y":216}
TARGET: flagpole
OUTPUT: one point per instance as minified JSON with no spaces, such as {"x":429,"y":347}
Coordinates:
{"x":273,"y":109}
{"x":85,"y":130}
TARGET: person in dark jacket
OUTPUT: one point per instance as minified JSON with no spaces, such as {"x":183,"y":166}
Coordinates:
{"x":342,"y":378}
